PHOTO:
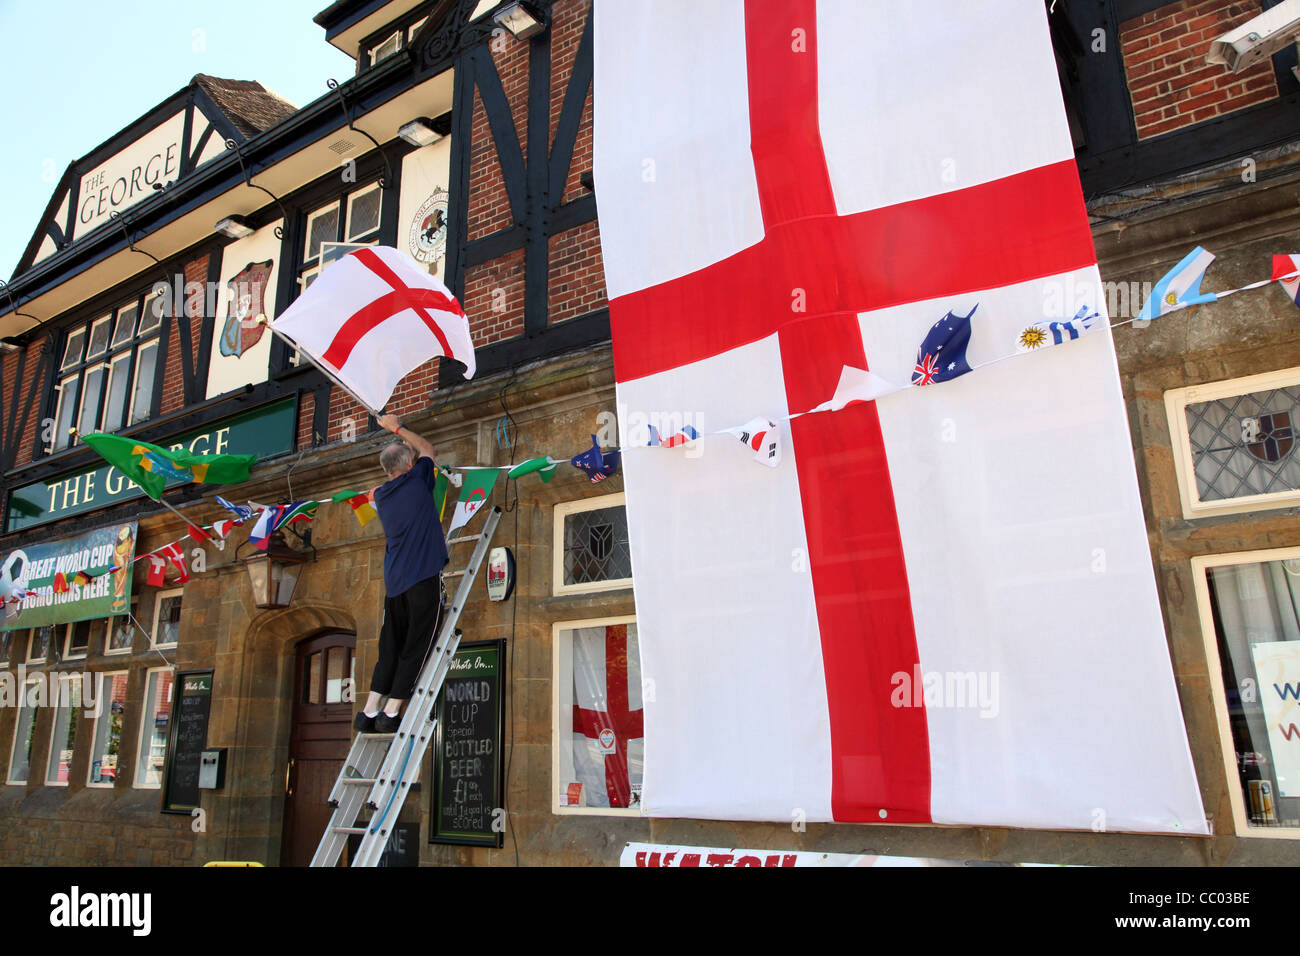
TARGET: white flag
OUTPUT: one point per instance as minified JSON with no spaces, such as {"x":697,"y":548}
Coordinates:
{"x":762,"y":435}
{"x":372,"y":317}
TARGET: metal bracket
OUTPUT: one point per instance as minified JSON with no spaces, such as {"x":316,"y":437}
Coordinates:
{"x":248,"y":181}
{"x":387,"y":178}
{"x":121,"y":220}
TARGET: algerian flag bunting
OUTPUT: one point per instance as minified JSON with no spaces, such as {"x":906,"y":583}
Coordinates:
{"x":474,"y":493}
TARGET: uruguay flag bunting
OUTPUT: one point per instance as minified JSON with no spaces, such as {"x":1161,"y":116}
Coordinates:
{"x":816,"y":209}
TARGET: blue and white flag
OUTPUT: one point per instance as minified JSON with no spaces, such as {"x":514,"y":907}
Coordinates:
{"x":242,"y":512}
{"x":1042,"y":334}
{"x":942,"y":355}
{"x":1180,"y":287}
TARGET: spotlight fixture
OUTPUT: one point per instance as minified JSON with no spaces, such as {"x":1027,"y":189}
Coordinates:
{"x":236,"y":227}
{"x":10,"y":344}
{"x":521,"y":19}
{"x":420,"y":132}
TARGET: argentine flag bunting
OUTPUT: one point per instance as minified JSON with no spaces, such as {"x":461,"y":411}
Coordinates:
{"x":1180,"y":287}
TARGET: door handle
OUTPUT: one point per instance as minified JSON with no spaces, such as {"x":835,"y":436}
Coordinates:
{"x":288,"y":770}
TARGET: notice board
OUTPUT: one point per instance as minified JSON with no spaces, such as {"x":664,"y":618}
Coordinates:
{"x":190,"y":708}
{"x":468,"y":764}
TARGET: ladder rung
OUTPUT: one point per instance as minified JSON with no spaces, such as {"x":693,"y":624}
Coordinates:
{"x":461,"y":539}
{"x":348,"y":829}
{"x":368,"y":781}
{"x":452,"y":574}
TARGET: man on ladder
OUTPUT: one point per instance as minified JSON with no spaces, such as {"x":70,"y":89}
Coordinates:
{"x":413,"y":561}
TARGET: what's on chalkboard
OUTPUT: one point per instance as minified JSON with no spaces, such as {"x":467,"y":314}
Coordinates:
{"x":191,"y":705}
{"x":468,"y":765}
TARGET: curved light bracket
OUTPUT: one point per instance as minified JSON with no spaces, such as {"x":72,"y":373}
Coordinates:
{"x":347,"y":117}
{"x":13,"y":306}
{"x":121,"y":220}
{"x":248,"y":181}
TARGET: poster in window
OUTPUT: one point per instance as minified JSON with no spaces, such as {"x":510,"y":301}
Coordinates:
{"x":1277,"y":665}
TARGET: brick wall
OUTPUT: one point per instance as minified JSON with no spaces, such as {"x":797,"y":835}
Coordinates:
{"x":494,"y":298}
{"x":489,"y":208}
{"x":1169,"y":81}
{"x":570,"y":17}
{"x":577,"y":274}
{"x":306,"y":413}
{"x":173,"y":394}
{"x":27,"y":426}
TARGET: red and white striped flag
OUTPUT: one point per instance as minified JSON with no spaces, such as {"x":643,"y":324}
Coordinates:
{"x":940,"y":572}
{"x":372,"y":317}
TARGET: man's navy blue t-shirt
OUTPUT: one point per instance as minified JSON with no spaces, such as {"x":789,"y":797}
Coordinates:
{"x":416,"y":549}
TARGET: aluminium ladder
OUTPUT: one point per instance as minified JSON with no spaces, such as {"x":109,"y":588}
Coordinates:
{"x":380,"y":768}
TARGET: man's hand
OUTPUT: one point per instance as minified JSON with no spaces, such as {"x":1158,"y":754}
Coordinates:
{"x":389,"y":423}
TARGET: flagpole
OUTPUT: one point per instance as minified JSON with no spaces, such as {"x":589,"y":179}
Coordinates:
{"x":326,"y":372}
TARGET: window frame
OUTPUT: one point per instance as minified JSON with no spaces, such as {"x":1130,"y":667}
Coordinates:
{"x":157,"y":612}
{"x":1176,"y":402}
{"x":110,"y":651}
{"x":22,"y":707}
{"x":50,"y":653}
{"x":73,"y":375}
{"x":104,"y":677}
{"x":1214,"y":665}
{"x":561,"y":689}
{"x":146,"y":719}
{"x":73,"y":718}
{"x":69,"y":629}
{"x":562,"y":511}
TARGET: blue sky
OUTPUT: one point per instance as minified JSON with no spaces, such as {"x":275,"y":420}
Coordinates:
{"x":75,"y":73}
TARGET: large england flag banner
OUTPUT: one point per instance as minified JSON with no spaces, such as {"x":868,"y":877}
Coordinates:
{"x":940,"y":605}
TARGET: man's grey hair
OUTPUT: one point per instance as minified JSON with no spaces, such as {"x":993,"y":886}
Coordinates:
{"x":396,"y":457}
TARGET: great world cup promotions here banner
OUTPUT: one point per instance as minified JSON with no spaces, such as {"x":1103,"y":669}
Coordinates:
{"x":44,"y":578}
{"x":939,"y":606}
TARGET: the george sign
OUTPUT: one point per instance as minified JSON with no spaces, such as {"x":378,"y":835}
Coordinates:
{"x":34,"y":567}
{"x":192,"y":705}
{"x":264,"y":432}
{"x":658,"y":854}
{"x":468,"y":765}
{"x":118,"y":183}
{"x":1277,"y":665}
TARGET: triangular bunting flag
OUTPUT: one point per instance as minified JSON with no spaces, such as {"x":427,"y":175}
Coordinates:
{"x":198,"y":534}
{"x":473,"y":495}
{"x":596,"y":464}
{"x":157,"y":570}
{"x":60,"y":583}
{"x":763,"y":436}
{"x":544,"y":466}
{"x":1286,"y":270}
{"x":176,"y":555}
{"x":361,"y":505}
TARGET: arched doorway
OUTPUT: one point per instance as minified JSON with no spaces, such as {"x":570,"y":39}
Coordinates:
{"x":320,"y":735}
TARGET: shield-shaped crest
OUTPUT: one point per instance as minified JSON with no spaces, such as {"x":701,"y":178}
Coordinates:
{"x":247,"y":292}
{"x":1275,"y":437}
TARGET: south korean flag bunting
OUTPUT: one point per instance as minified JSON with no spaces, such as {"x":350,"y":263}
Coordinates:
{"x":763,"y":436}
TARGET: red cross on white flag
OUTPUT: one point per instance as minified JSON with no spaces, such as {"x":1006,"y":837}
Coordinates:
{"x":372,"y":317}
{"x":791,"y":187}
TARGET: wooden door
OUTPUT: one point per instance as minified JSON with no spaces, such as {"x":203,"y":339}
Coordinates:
{"x":319,"y":741}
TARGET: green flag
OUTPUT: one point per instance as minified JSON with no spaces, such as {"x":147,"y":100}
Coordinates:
{"x":152,"y":467}
{"x":440,"y":485}
{"x":545,"y":465}
{"x":474,"y":491}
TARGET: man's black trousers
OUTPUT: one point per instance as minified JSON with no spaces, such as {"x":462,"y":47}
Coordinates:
{"x":411,"y":623}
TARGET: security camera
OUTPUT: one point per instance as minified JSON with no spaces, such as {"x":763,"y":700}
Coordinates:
{"x":1257,"y":39}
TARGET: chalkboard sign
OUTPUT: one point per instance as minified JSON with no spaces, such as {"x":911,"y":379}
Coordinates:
{"x":468,"y":765}
{"x":402,"y":848}
{"x":191,"y":704}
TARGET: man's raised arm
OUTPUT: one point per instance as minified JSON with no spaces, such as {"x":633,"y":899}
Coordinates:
{"x":423,"y":449}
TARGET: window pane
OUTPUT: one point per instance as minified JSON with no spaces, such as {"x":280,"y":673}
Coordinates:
{"x":1257,"y":622}
{"x":169,"y":619}
{"x":142,"y":397}
{"x":119,"y":380}
{"x":40,"y":644}
{"x":335,"y":670}
{"x":322,"y":226}
{"x":363,"y":213}
{"x":98,"y":337}
{"x":596,"y":546}
{"x":124,"y":331}
{"x":92,"y":391}
{"x":312,"y":695}
{"x":65,"y":730}
{"x":24,"y":732}
{"x":63,"y":418}
{"x":72,"y":352}
{"x":153,"y":737}
{"x":386,"y":49}
{"x":79,"y":638}
{"x":1245,"y":444}
{"x":108,"y":728}
{"x":153,"y":314}
{"x":121,"y":634}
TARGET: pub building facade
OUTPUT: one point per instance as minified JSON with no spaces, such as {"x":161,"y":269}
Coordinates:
{"x":181,"y":723}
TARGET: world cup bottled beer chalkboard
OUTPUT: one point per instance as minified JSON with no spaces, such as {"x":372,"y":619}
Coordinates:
{"x":191,"y":704}
{"x":468,"y":762}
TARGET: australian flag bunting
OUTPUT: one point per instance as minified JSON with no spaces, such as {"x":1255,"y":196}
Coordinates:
{"x":942,"y":355}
